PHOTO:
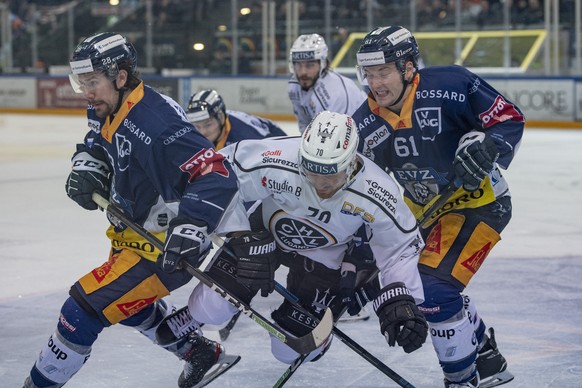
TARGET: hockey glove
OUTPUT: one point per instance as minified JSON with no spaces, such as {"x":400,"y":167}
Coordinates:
{"x":89,"y":174}
{"x":400,"y":320}
{"x":256,"y":261}
{"x":184,"y":241}
{"x":354,"y":297}
{"x":475,"y":158}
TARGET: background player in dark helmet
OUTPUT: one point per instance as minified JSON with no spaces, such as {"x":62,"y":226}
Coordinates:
{"x":143,"y":155}
{"x":207,"y":112}
{"x":314,"y":86}
{"x":430,"y":127}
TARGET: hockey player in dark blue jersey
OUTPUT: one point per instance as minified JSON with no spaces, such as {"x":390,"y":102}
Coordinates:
{"x":429,"y":128}
{"x":207,"y":112}
{"x":143,"y":155}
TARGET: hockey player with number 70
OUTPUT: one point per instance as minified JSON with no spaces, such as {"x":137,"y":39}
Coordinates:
{"x":316,"y":192}
{"x":430,"y":128}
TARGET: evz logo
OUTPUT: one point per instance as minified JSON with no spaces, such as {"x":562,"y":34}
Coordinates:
{"x":429,"y":121}
{"x":123,"y":151}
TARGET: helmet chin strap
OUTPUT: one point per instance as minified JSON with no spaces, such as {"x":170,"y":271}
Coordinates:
{"x":405,"y":84}
{"x":120,"y":92}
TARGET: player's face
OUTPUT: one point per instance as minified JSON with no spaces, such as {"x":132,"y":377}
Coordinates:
{"x":385,"y":83}
{"x":99,"y":91}
{"x":209,"y":128}
{"x":306,"y":72}
{"x":326,"y":185}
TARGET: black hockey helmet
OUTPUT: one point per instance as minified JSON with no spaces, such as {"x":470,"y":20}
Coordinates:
{"x":205,"y":104}
{"x":388,"y":44}
{"x":107,"y":52}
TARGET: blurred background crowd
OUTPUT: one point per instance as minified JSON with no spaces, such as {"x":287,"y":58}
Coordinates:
{"x":198,"y":35}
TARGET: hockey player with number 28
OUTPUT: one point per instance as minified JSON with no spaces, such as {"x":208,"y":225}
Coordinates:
{"x":431,"y":127}
{"x":316,"y":192}
{"x":143,"y":155}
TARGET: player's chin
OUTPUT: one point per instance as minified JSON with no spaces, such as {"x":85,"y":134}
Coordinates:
{"x":325,"y":194}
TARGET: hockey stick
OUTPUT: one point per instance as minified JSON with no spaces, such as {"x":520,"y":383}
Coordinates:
{"x":225,"y":331}
{"x":342,"y":336}
{"x":347,"y":340}
{"x":428,"y":211}
{"x":305,"y":344}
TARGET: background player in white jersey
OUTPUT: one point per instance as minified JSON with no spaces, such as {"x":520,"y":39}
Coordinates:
{"x":143,"y":155}
{"x":314,"y":86}
{"x":316,"y":192}
{"x":207,"y":112}
{"x":431,"y":127}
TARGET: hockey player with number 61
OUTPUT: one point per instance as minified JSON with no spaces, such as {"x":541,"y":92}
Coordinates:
{"x":430,"y":128}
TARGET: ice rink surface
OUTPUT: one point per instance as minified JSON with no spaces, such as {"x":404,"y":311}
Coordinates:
{"x":529,"y":288}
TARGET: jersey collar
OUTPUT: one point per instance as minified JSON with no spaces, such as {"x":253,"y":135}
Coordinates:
{"x":404,"y":120}
{"x":110,"y":127}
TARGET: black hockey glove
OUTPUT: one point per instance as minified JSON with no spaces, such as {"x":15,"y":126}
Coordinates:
{"x":184,"y":241}
{"x":356,"y":297}
{"x":89,"y":174}
{"x":400,"y":320}
{"x":475,"y":158}
{"x":256,"y":261}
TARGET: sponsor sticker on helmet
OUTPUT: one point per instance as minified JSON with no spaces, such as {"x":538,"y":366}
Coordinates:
{"x":109,"y":43}
{"x":303,"y":56}
{"x":399,"y":36}
{"x":370,"y":59}
{"x":82,"y":66}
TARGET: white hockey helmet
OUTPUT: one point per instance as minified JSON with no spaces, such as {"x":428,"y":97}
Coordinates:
{"x":329,"y":146}
{"x":308,"y":47}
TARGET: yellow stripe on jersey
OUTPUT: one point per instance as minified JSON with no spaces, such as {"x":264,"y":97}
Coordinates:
{"x":129,"y":239}
{"x":460,"y":199}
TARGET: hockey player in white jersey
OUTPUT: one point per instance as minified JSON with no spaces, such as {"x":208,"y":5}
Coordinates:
{"x":316,"y":192}
{"x":314,"y":86}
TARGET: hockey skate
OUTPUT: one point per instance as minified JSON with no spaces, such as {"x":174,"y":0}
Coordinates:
{"x":473,"y":383}
{"x":491,"y":365}
{"x":205,"y":360}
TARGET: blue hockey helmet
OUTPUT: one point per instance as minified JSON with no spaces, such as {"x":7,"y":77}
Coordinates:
{"x":106,"y":52}
{"x":205,"y":104}
{"x":386,"y":45}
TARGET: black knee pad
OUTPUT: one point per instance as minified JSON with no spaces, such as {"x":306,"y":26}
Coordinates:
{"x":223,"y":271}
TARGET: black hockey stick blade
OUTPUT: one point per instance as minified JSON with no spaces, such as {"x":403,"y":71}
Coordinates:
{"x":218,"y":369}
{"x":224,"y":333}
{"x":431,"y":208}
{"x":302,"y":345}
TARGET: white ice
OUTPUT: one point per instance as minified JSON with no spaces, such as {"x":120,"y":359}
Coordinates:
{"x":529,"y":289}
